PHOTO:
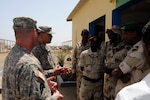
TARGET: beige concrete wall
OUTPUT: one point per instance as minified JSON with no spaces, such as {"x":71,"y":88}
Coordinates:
{"x":91,"y":10}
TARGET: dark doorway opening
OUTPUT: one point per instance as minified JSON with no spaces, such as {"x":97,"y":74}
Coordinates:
{"x":97,"y":28}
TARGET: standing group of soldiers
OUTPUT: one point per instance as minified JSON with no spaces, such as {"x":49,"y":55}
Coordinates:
{"x":29,"y":68}
{"x":103,"y":70}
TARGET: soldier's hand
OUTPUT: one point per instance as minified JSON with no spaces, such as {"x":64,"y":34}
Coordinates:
{"x":51,"y":78}
{"x":125,"y":78}
{"x":117,"y":73}
{"x":58,"y":70}
{"x":66,"y":70}
{"x":58,"y":95}
{"x":52,"y":85}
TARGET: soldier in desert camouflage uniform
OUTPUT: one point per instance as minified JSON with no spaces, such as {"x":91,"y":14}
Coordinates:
{"x":139,"y":90}
{"x":92,"y":79}
{"x":23,"y":77}
{"x":111,"y":47}
{"x":116,"y":60}
{"x":134,"y":63}
{"x":82,"y":45}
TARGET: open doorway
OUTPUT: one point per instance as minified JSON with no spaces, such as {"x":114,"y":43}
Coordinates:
{"x":97,"y":27}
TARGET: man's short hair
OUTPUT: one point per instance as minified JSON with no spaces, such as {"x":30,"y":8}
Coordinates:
{"x":84,"y":31}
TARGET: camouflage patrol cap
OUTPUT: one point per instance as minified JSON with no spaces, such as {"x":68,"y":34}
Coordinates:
{"x":115,"y":29}
{"x":45,"y":29}
{"x":24,"y":22}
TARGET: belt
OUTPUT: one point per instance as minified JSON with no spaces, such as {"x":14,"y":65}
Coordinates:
{"x":91,"y":80}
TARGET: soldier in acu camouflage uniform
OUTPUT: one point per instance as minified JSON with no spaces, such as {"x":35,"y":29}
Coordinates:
{"x":82,"y":45}
{"x":92,"y":79}
{"x":134,"y":63}
{"x":23,"y":77}
{"x":44,"y":53}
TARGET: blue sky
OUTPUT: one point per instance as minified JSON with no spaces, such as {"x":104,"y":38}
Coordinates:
{"x":47,"y":12}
